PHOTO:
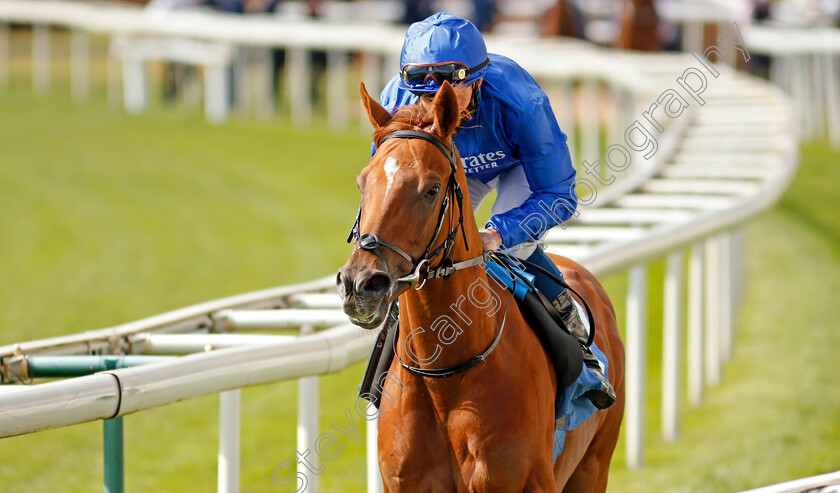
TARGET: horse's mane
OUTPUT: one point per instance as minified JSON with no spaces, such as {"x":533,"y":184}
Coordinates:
{"x":417,"y":116}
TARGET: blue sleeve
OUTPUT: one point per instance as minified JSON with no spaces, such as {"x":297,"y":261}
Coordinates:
{"x":545,"y":159}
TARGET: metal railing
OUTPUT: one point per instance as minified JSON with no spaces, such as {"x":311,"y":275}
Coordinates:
{"x":717,"y":165}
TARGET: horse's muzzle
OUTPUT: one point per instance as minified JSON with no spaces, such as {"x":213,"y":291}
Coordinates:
{"x":365,"y":294}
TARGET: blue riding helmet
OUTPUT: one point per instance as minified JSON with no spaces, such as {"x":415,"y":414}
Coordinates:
{"x":442,"y":42}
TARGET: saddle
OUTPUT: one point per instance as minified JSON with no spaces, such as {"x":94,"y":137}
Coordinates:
{"x":562,"y":348}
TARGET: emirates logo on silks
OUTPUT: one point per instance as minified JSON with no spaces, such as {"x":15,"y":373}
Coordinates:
{"x":483,"y":161}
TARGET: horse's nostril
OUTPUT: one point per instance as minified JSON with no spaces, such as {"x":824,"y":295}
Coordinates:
{"x":376,"y":285}
{"x":343,"y":284}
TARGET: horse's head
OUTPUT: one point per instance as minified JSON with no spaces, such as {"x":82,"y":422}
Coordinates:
{"x":408,"y":193}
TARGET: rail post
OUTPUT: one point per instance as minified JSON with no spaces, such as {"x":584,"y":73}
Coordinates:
{"x":833,"y":98}
{"x":712,"y":318}
{"x":80,"y":64}
{"x":726,"y":319}
{"x":672,"y":345}
{"x":818,"y":92}
{"x":241,"y":80}
{"x":636,"y":372}
{"x":615,"y":131}
{"x":695,"y":325}
{"x":307,"y":429}
{"x":135,"y":80}
{"x":298,"y":76}
{"x":41,"y":54}
{"x":115,"y":94}
{"x":802,"y":94}
{"x":692,"y":36}
{"x":229,"y":440}
{"x":113,"y":446}
{"x":374,"y":478}
{"x":216,"y":92}
{"x":336,"y":89}
{"x":265,"y":99}
{"x":737,"y":262}
{"x":589,"y":122}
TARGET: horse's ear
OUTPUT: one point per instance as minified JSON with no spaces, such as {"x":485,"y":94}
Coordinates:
{"x":377,"y":115}
{"x":447,"y":112}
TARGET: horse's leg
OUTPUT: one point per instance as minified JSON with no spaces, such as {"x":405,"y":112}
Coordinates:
{"x":591,"y":473}
{"x":577,"y":443}
{"x":542,"y":479}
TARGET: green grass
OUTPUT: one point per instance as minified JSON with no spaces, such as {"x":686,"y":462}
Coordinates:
{"x":106,"y":218}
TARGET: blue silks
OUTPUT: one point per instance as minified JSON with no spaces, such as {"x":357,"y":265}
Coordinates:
{"x":570,"y":407}
{"x":514,"y":126}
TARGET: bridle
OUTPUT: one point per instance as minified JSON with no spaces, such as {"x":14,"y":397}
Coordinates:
{"x":445,"y":267}
{"x":421,"y":271}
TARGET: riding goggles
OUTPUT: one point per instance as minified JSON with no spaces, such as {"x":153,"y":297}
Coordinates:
{"x":454,"y":72}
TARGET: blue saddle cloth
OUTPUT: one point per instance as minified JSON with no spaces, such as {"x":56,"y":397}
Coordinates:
{"x":570,"y":407}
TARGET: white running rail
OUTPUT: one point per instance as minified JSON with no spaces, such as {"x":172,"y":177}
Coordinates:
{"x":824,"y":483}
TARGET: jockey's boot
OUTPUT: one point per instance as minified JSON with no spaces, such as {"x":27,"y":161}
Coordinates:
{"x":605,"y":396}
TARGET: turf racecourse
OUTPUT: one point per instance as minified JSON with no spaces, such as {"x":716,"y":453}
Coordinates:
{"x":106,"y":218}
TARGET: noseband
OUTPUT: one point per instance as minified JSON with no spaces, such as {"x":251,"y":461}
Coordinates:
{"x":420,"y":270}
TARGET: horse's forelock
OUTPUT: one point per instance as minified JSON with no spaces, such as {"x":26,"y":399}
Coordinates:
{"x":417,"y":116}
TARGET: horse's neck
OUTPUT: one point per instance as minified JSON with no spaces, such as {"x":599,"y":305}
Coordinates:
{"x":448,"y":322}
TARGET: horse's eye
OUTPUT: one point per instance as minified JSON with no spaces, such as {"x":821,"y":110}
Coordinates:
{"x":432,"y":193}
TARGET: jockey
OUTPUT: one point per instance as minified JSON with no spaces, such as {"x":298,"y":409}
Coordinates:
{"x":509,"y":142}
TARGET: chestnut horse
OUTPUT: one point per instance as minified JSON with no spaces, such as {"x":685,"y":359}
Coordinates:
{"x":490,"y":427}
